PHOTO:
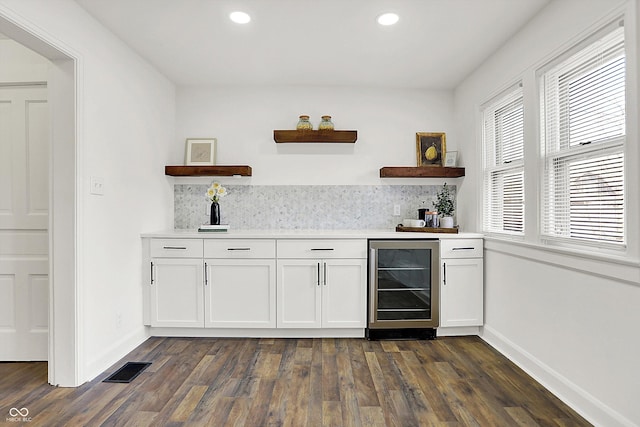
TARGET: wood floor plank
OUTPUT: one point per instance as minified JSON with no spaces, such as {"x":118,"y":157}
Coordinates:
{"x":139,"y":419}
{"x":105,"y":392}
{"x":298,"y":397}
{"x":348,"y":395}
{"x":257,"y":412}
{"x":365,"y":389}
{"x":267,"y":366}
{"x":403,"y":410}
{"x":521,"y":417}
{"x":392,"y":376}
{"x":453,"y":381}
{"x":412,"y":391}
{"x":314,"y":412}
{"x":381,"y":389}
{"x":330,"y":377}
{"x":332,"y":414}
{"x":278,"y":404}
{"x":432,"y":394}
{"x":238,"y":413}
{"x":189,"y":403}
{"x":372,"y":416}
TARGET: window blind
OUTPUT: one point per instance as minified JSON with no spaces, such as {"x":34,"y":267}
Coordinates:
{"x":503,"y":146}
{"x":583,"y":135}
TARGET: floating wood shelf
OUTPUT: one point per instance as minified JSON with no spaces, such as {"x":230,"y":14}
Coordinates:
{"x":420,"y":172}
{"x":217,"y":170}
{"x":331,"y":136}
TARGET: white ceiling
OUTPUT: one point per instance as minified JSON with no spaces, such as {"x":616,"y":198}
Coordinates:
{"x":435,"y":45}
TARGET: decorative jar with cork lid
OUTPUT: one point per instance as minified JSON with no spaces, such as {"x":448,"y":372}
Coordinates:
{"x":304,"y":123}
{"x":326,"y":123}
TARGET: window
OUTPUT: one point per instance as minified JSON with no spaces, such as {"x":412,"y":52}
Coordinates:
{"x":503,"y":145}
{"x":583,"y":134}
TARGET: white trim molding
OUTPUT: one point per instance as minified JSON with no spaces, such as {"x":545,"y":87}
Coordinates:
{"x":620,"y":269}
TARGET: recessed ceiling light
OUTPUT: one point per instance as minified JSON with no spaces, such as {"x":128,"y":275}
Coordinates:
{"x":388,"y":19}
{"x":239,"y":17}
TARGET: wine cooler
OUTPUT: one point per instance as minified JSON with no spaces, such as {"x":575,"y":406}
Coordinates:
{"x":403,"y":289}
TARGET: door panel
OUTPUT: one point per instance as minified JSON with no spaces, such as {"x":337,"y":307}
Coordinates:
{"x":176,"y":293}
{"x":24,"y":292}
{"x":240,"y":293}
{"x":344,"y":293}
{"x":24,"y":206}
{"x":299,"y":294}
{"x":462,"y":292}
{"x":24,"y":158}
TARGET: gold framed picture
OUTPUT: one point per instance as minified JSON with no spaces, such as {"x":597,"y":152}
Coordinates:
{"x":431,"y":148}
{"x":200,"y":152}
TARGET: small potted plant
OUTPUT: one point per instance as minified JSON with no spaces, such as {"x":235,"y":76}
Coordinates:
{"x":444,"y":206}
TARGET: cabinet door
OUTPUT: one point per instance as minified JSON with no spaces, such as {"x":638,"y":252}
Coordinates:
{"x":344,"y":293}
{"x":240,"y":293}
{"x":176,"y":292}
{"x":461,"y":302}
{"x":299,"y":293}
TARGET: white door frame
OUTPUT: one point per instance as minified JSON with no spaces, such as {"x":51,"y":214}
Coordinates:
{"x":65,"y":213}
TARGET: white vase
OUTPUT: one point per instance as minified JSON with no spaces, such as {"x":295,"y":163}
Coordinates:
{"x":446,"y":222}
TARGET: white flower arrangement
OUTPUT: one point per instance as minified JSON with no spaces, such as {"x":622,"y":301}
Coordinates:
{"x":216,"y":191}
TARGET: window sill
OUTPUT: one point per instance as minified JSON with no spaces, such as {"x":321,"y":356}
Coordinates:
{"x":607,"y":266}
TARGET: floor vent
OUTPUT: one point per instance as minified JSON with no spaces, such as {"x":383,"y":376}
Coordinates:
{"x":127,"y":373}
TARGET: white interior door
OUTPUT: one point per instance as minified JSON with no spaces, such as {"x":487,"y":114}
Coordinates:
{"x":24,"y":210}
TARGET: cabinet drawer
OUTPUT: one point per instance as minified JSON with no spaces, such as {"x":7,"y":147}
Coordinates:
{"x":461,"y":248}
{"x":322,"y":248}
{"x":240,"y":248}
{"x":176,"y":248}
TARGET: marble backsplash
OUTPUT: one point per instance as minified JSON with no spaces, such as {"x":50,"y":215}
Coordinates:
{"x":322,"y":207}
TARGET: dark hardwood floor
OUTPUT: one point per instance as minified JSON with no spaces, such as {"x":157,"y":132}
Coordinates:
{"x":457,"y":381}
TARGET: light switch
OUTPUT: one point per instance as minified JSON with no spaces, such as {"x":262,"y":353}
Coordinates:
{"x":97,"y":186}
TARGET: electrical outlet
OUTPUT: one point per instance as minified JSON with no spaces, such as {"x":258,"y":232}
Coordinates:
{"x":96,"y":185}
{"x":396,"y":210}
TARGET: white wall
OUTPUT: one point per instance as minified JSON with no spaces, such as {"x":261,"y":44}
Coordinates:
{"x":243,"y":120}
{"x":125,"y":125}
{"x":569,"y":320}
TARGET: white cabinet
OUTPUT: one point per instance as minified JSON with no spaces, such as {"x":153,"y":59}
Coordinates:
{"x":299,"y":293}
{"x":321,"y":283}
{"x":240,"y":283}
{"x":462,"y":288}
{"x":176,"y":283}
{"x":200,"y":283}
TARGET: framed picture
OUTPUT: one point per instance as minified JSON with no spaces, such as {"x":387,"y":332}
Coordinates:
{"x":451,"y":159}
{"x":200,"y":152}
{"x":431,"y":148}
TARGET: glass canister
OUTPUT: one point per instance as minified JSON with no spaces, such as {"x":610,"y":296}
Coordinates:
{"x":326,"y":123}
{"x":304,"y":123}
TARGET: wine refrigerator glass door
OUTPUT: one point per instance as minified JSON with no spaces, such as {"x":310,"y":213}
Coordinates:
{"x":403,"y":284}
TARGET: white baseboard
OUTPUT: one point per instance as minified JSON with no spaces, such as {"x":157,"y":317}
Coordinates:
{"x":257,"y":332}
{"x":458,"y":331}
{"x":112,"y":354}
{"x":592,"y":409}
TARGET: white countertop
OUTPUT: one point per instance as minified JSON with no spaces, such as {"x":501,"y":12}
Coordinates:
{"x":307,"y":234}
